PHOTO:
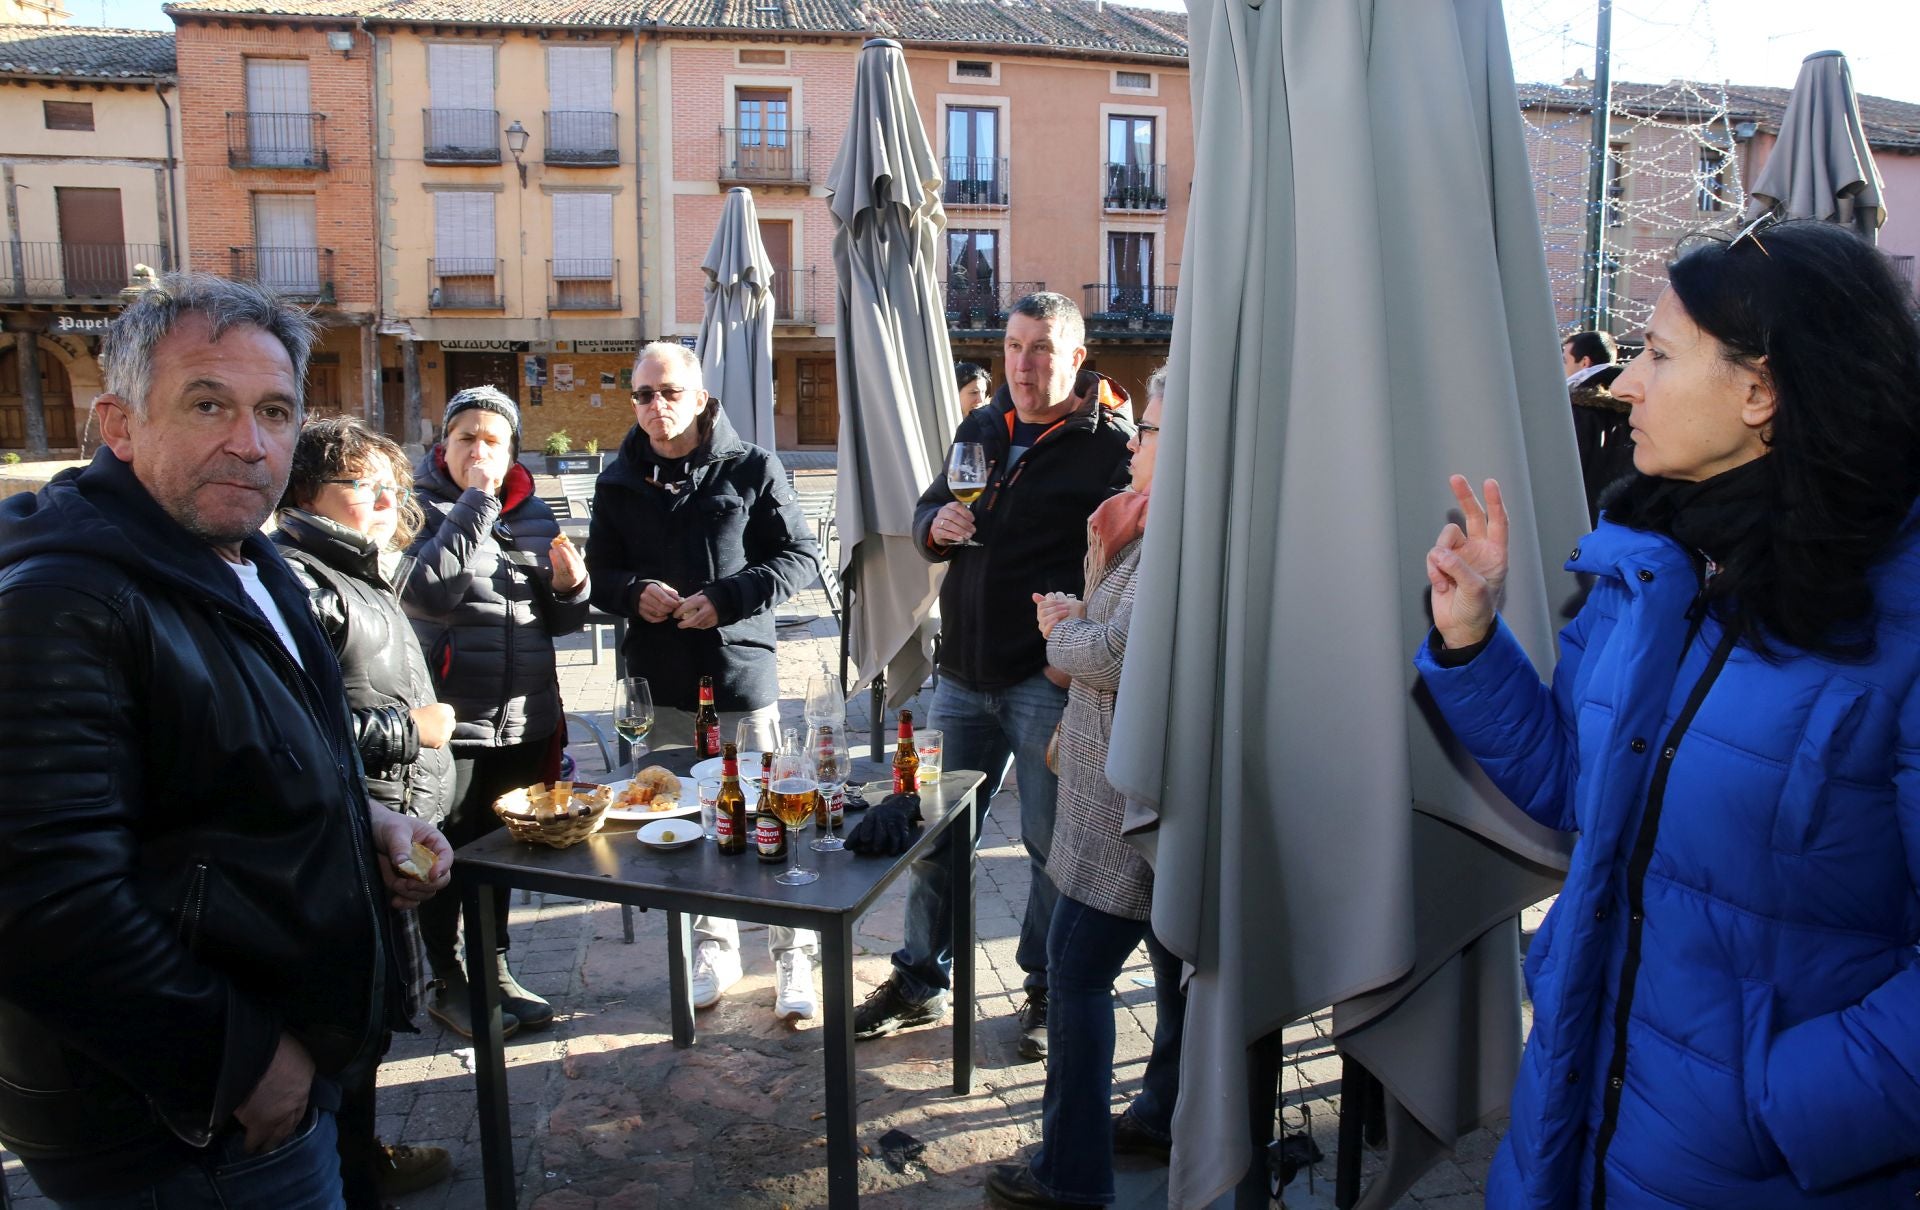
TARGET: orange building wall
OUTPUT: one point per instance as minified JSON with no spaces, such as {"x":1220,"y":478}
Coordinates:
{"x":220,"y":199}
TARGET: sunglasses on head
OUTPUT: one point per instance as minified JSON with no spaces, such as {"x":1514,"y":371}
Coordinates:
{"x":646,"y":395}
{"x":1751,"y":231}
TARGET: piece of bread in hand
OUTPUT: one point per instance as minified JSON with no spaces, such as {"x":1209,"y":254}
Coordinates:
{"x":418,"y":865}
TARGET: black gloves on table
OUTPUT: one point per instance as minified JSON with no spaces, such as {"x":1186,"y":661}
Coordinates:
{"x":887,"y":830}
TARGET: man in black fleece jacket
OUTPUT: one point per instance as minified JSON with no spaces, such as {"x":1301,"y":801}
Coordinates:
{"x":1056,"y":441}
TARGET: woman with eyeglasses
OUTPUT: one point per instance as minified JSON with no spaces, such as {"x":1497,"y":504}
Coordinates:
{"x":493,"y":583}
{"x":1727,"y":991}
{"x":347,"y":514}
{"x":1106,"y":886}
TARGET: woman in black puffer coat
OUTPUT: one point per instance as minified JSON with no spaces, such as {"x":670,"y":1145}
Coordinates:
{"x":492,"y":584}
{"x":347,"y":514}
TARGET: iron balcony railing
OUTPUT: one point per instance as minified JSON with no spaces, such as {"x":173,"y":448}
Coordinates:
{"x":462,"y":136}
{"x":793,"y":297}
{"x":296,"y":272}
{"x":584,"y":284}
{"x":277,"y":140}
{"x":1124,"y":305}
{"x":464,"y":283}
{"x":582,"y":138}
{"x":1134,"y":186}
{"x":60,"y":272}
{"x":754,"y":155}
{"x":974,"y":305}
{"x":975,"y":182}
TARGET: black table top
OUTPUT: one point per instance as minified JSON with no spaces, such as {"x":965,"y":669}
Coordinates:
{"x":613,"y":865}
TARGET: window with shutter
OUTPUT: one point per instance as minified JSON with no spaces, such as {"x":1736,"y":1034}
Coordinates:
{"x":285,"y":255}
{"x":279,"y":122}
{"x":583,"y":268}
{"x":580,"y":85}
{"x":465,"y":260}
{"x":460,"y":91}
{"x":67,"y":115}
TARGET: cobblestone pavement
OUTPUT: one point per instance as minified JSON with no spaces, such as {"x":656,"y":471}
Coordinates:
{"x":608,"y":1116}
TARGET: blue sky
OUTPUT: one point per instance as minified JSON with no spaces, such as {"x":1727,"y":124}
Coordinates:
{"x":1748,"y":41}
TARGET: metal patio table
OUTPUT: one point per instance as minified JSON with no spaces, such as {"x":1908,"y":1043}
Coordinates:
{"x":614,"y":867}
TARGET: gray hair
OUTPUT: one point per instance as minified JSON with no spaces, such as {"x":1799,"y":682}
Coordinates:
{"x":1048,"y":306}
{"x":674,"y":353}
{"x":126,"y":352}
{"x":1157,"y":384}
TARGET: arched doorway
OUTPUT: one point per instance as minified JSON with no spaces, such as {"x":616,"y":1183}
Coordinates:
{"x":56,"y":400}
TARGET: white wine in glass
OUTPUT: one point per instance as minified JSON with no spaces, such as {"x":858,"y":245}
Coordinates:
{"x":967,"y":475}
{"x":633,"y":712}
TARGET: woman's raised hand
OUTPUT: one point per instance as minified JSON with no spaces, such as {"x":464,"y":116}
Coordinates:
{"x":1468,"y":569}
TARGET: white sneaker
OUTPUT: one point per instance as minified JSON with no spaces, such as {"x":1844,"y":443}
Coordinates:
{"x":716,"y":967}
{"x":793,"y":986}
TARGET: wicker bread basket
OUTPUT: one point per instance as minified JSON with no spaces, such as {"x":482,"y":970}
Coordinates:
{"x":532,"y":819}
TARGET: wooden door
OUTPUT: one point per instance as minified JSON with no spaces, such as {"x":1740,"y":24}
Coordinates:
{"x":818,"y":422}
{"x":393,"y":403}
{"x":480,"y":370}
{"x":56,"y":401}
{"x":776,"y":234}
{"x":323,"y":390}
{"x":763,"y":149}
{"x":93,"y":244}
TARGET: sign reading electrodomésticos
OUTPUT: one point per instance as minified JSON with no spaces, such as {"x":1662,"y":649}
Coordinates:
{"x":606,"y":346}
{"x":81,"y":323}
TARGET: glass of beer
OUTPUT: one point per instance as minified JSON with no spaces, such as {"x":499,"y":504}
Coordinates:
{"x":791,"y":789}
{"x":633,"y":713}
{"x":967,"y":475}
{"x":926,"y":745}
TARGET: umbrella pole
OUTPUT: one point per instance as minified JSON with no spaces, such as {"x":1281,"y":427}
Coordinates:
{"x":877,"y":708}
{"x":1255,"y":1191}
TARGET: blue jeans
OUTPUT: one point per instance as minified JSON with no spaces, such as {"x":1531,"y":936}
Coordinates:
{"x":1086,"y":948}
{"x":302,"y":1173}
{"x":986,"y":731}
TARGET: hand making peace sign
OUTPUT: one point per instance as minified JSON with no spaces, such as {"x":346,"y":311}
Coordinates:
{"x":1469,"y":570}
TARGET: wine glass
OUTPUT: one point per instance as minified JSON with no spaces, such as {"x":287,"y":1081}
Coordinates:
{"x":791,"y":792}
{"x":967,"y":475}
{"x":633,"y":713}
{"x":831,"y":768}
{"x":746,"y":741}
{"x":826,"y":702}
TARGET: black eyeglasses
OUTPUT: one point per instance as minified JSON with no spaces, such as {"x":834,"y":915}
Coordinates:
{"x":1751,"y":232}
{"x":375,"y":488}
{"x":1145,"y":428}
{"x":646,"y":395}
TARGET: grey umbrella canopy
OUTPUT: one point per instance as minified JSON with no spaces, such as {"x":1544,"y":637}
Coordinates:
{"x":897,"y":398}
{"x":1822,"y":167}
{"x":1366,"y":309}
{"x":735,"y":345}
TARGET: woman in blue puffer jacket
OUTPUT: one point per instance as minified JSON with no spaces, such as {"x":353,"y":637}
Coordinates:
{"x":1727,"y":992}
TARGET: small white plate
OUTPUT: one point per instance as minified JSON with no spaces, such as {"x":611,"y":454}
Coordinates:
{"x":682,"y":831}
{"x":713,"y":766}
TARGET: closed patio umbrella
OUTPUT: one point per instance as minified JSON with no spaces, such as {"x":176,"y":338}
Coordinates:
{"x":1822,"y":167}
{"x":1365,"y":308}
{"x":735,"y":345}
{"x":897,"y":399}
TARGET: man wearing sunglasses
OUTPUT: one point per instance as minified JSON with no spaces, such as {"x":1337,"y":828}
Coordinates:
{"x":697,"y":537}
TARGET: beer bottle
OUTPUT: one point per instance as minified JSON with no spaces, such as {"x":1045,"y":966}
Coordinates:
{"x":730,"y":813}
{"x":706,"y":723}
{"x":906,"y":761}
{"x":769,"y":834}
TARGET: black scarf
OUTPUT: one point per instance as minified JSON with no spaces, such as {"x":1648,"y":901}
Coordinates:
{"x":1716,"y":520}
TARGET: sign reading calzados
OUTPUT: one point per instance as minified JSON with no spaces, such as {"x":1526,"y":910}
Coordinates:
{"x":477,"y":346}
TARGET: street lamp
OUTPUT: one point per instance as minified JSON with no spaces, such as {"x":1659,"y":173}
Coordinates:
{"x":517,"y":143}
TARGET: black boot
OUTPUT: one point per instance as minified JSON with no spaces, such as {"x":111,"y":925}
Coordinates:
{"x":533,"y":1011}
{"x":450,"y":1006}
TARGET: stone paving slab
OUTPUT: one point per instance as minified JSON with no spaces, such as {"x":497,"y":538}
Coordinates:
{"x":608,"y":1116}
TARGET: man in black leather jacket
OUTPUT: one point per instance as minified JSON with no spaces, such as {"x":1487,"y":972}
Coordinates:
{"x":192,"y":951}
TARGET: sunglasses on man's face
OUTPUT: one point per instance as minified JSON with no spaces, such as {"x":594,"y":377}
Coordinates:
{"x":646,"y":395}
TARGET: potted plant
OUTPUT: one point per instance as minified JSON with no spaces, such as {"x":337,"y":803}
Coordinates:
{"x":563,"y":460}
